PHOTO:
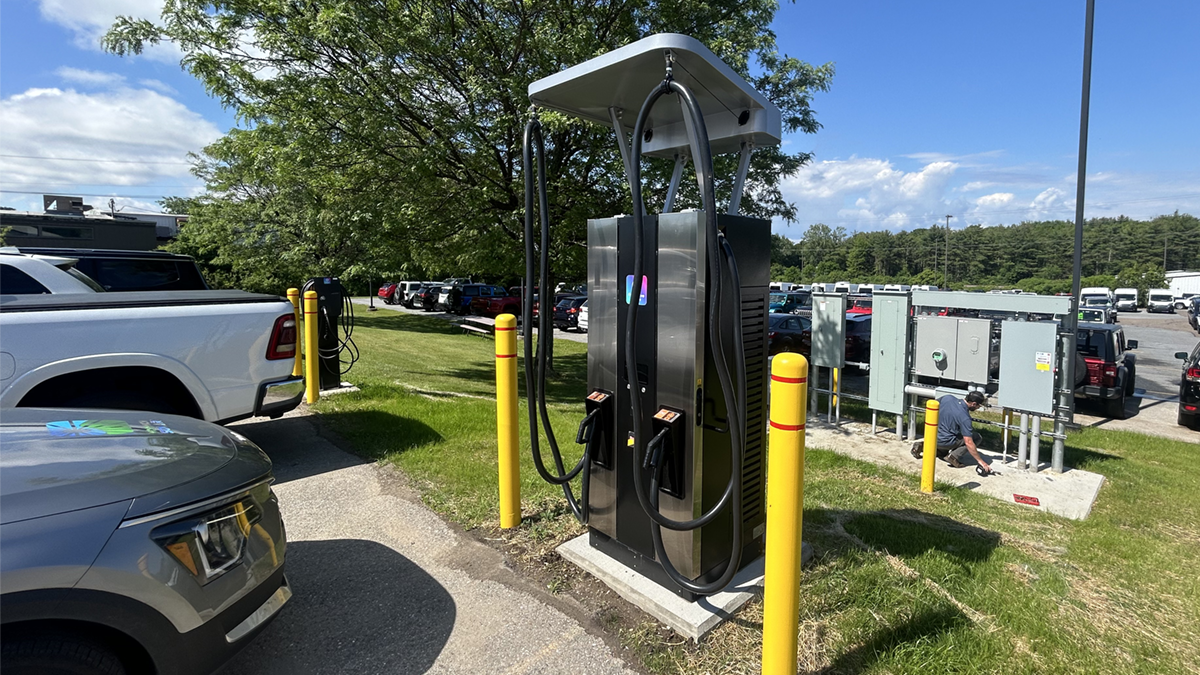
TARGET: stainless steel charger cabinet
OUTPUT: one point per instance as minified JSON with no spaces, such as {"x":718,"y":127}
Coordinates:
{"x":672,"y":478}
{"x":676,"y":372}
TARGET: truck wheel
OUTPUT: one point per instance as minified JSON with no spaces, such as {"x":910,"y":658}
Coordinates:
{"x":59,"y":655}
{"x":1115,"y":407}
{"x":123,"y":400}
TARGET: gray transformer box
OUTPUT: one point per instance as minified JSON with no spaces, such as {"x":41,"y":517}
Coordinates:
{"x":953,"y":348}
{"x":889,"y":350}
{"x":1027,"y":363}
{"x":675,"y":371}
{"x":829,"y":330}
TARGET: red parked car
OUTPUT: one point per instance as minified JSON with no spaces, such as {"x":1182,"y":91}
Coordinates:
{"x":859,"y":305}
{"x":494,"y":301}
{"x":387,"y":291}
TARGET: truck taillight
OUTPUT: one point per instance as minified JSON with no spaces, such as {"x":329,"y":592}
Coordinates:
{"x":283,"y":339}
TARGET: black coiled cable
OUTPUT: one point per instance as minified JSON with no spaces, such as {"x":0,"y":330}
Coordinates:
{"x":535,"y":388}
{"x":735,"y":397}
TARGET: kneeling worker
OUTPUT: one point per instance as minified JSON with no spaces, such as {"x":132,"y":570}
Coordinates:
{"x":955,"y":436}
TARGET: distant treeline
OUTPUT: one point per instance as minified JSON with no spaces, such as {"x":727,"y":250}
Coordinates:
{"x":1032,"y":256}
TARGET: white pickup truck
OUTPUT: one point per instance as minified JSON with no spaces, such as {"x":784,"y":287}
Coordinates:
{"x":213,"y":355}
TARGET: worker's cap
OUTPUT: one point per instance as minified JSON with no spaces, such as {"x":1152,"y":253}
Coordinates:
{"x":975,"y":397}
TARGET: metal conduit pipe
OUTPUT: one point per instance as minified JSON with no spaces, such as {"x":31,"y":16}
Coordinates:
{"x":1023,"y":442}
{"x":1036,"y":446}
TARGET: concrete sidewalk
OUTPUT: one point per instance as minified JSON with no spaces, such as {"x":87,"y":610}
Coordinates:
{"x":383,"y":585}
{"x":1069,"y":494}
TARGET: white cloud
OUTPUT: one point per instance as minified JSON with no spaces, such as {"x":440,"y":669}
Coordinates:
{"x":974,"y":185}
{"x":159,"y":86}
{"x":864,"y":193}
{"x":870,"y":193}
{"x":119,"y":137}
{"x":995,"y":199}
{"x":1048,"y":202}
{"x":89,"y":20}
{"x":90,"y":77}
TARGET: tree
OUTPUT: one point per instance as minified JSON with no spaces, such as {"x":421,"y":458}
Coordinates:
{"x":404,"y":119}
{"x":1142,"y":276}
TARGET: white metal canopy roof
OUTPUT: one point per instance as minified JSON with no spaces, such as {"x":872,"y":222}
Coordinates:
{"x":624,"y":77}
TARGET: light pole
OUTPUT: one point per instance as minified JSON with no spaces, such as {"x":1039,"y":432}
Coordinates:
{"x":1071,"y":320}
{"x":946,"y":269}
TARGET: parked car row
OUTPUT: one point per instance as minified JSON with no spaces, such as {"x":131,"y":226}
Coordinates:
{"x":789,"y":333}
{"x":137,"y":537}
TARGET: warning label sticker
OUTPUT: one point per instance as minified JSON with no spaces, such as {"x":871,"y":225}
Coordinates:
{"x":1044,"y":360}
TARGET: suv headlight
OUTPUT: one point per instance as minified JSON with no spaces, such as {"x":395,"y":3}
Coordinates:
{"x":209,"y":544}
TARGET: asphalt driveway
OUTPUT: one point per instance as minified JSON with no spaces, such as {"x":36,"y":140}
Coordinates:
{"x":383,"y":585}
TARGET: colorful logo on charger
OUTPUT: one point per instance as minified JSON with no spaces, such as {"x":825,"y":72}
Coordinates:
{"x":76,"y":428}
{"x":629,"y":289}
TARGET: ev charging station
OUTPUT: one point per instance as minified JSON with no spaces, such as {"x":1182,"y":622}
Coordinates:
{"x":334,"y":311}
{"x":672,"y":476}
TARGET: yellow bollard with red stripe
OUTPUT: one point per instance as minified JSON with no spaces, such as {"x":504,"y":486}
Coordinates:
{"x":293,"y":296}
{"x":929,"y":458}
{"x":506,"y":420}
{"x":312,"y":379}
{"x":785,"y":513}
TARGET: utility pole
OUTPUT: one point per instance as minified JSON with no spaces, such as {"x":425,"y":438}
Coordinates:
{"x":946,"y":269}
{"x":1066,"y":382}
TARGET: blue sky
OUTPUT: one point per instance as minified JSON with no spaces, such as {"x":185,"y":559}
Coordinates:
{"x":962,"y":108}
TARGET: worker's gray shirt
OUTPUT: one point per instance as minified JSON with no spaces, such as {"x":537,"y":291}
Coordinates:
{"x":954,"y":420}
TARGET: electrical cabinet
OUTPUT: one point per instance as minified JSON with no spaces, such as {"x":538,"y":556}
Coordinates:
{"x":828,"y":330}
{"x":953,"y":348}
{"x":1027,"y":366}
{"x":889,"y":349}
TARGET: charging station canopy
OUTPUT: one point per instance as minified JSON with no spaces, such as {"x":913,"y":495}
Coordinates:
{"x":733,"y":111}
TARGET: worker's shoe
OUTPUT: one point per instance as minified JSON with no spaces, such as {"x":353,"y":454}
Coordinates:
{"x":918,"y":449}
{"x":953,"y":462}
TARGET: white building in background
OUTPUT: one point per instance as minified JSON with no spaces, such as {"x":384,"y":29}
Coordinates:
{"x":1183,"y":283}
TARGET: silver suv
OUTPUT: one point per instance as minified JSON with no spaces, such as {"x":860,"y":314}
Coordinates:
{"x":133,"y":543}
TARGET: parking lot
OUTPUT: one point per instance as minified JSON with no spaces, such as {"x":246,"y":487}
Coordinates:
{"x":1153,"y":407}
{"x":573,"y":336}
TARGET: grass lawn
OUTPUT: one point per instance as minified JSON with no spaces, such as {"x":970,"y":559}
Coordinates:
{"x":902,"y":583}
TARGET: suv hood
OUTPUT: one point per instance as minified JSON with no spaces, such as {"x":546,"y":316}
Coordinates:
{"x":54,"y":461}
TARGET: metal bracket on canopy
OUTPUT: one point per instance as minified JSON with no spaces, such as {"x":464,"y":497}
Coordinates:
{"x":735,"y":199}
{"x":681,"y":161}
{"x":614,"y":113}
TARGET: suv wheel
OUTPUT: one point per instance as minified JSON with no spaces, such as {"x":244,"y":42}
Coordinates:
{"x":1130,"y":382}
{"x":53,"y":654}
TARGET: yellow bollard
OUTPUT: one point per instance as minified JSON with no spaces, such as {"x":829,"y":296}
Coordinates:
{"x":312,"y":380}
{"x":506,"y":420}
{"x":837,"y":372}
{"x":293,"y":295}
{"x":785,"y":513}
{"x":929,"y":459}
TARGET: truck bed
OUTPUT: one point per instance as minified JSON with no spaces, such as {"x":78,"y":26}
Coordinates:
{"x":70,"y":301}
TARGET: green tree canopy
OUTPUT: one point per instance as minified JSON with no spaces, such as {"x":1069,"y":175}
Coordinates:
{"x":392,"y":129}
